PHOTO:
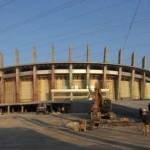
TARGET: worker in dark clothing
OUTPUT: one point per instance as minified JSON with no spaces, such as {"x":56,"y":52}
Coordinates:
{"x":145,"y":119}
{"x":149,"y":107}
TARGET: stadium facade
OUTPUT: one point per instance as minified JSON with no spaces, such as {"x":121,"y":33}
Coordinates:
{"x":65,"y":82}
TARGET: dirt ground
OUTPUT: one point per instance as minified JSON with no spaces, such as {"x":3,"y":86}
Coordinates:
{"x":45,"y":132}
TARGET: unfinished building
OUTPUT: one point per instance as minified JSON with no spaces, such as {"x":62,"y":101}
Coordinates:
{"x":22,"y":86}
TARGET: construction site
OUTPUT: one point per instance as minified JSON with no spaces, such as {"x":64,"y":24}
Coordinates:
{"x":62,"y":103}
{"x":74,"y":75}
{"x":22,"y":87}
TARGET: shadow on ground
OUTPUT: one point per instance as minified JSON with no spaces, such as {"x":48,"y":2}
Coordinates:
{"x":125,"y":111}
{"x":113,"y":142}
{"x":107,"y":143}
{"x":27,"y":139}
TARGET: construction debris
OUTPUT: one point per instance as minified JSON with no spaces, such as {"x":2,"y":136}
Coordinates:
{"x":73,"y":126}
{"x":80,"y":125}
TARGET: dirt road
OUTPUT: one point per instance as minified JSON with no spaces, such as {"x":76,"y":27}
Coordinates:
{"x":48,"y":132}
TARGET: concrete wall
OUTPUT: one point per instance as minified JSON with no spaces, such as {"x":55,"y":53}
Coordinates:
{"x":43,"y":88}
{"x":125,"y":90}
{"x":26,"y":90}
{"x":147,"y":91}
{"x":10,"y":92}
{"x":19,"y":86}
{"x":83,"y":106}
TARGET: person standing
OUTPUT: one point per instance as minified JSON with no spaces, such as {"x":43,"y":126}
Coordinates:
{"x":149,"y":107}
{"x":145,"y":119}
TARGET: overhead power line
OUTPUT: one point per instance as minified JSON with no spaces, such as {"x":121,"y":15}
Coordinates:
{"x":131,"y":23}
{"x":5,"y":3}
{"x":36,"y":17}
{"x":61,"y":35}
{"x":97,"y":30}
{"x":99,"y":9}
{"x":79,"y":16}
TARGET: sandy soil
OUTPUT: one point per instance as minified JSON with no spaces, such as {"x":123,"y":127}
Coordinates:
{"x":45,"y":132}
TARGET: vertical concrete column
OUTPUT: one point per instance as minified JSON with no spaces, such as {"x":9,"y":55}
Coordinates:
{"x":70,"y":55}
{"x":88,"y":67}
{"x":2,"y":92}
{"x":119,"y":74}
{"x":1,"y":61}
{"x":35,"y":84}
{"x":143,"y":82}
{"x":71,"y":80}
{"x":105,"y":61}
{"x":53,"y":72}
{"x":22,"y":109}
{"x":8,"y":109}
{"x":70,"y":72}
{"x":52,"y":80}
{"x":132,"y":74}
{"x":70,"y":69}
{"x":12,"y":109}
{"x":17,"y":76}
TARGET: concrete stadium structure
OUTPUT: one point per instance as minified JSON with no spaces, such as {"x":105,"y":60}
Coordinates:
{"x":27,"y":85}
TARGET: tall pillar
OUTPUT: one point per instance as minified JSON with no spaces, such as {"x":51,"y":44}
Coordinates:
{"x":88,"y":67}
{"x":35,"y":84}
{"x":132,"y":74}
{"x":53,"y":72}
{"x":70,"y":68}
{"x":8,"y":109}
{"x":22,"y":109}
{"x":2,"y":92}
{"x":70,"y":72}
{"x":17,"y":76}
{"x":105,"y":58}
{"x":1,"y":61}
{"x":105,"y":61}
{"x":143,"y":82}
{"x":70,"y":55}
{"x":119,"y":74}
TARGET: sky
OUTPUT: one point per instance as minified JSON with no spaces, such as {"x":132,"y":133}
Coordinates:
{"x":99,"y":23}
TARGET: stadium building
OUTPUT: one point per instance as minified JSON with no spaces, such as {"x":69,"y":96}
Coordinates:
{"x":22,"y":87}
